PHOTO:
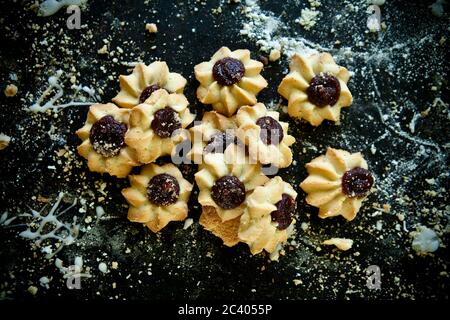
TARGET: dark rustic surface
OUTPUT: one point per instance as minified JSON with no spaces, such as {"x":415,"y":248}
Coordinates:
{"x":393,"y":76}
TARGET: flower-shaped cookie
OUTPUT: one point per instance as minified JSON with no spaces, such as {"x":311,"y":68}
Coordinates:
{"x":214,"y":134}
{"x":229,"y":80}
{"x":268,"y":219}
{"x":104,"y":144}
{"x":337,"y":184}
{"x":138,"y":86}
{"x":155,"y":126}
{"x":158,"y":195}
{"x":225,"y":179}
{"x":316,"y":88}
{"x":267,"y":139}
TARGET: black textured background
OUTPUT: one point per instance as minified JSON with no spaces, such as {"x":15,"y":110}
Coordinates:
{"x":193,"y":263}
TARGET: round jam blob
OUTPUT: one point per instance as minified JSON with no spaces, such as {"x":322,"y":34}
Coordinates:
{"x":271,"y":130}
{"x":324,"y":89}
{"x":163,"y":190}
{"x":285,"y":211}
{"x":165,"y":122}
{"x":228,"y":71}
{"x":107,"y":136}
{"x":219,"y":142}
{"x":228,"y":192}
{"x":357,"y":182}
{"x":147,"y":92}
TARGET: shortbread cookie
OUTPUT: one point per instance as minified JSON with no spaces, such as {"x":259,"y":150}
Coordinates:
{"x":316,"y":88}
{"x":214,"y":134}
{"x":225,"y":230}
{"x":266,"y":137}
{"x":158,"y":195}
{"x":268,"y":219}
{"x":337,"y":184}
{"x":104,"y":144}
{"x":225,"y":180}
{"x":138,"y":86}
{"x":156,"y":126}
{"x":229,"y":80}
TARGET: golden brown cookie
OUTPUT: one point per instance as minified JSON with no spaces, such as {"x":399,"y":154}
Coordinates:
{"x":316,"y":88}
{"x":225,"y":180}
{"x":337,"y":184}
{"x":266,"y":137}
{"x":213,"y":134}
{"x":158,"y":195}
{"x":157,"y":125}
{"x":268,"y":219}
{"x":138,"y":86}
{"x":229,"y":80}
{"x":104,"y":144}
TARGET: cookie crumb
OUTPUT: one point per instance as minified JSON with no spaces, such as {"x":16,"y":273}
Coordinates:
{"x":103,"y":50}
{"x":340,"y":243}
{"x":151,"y":27}
{"x":188,"y":223}
{"x":103,"y":267}
{"x":33,"y":290}
{"x":297,"y":282}
{"x":10,"y":90}
{"x":4,"y":141}
{"x":274,"y":55}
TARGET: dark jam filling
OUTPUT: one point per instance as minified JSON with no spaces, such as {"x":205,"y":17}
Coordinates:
{"x":357,"y":182}
{"x":228,"y":192}
{"x":107,"y":136}
{"x":163,"y":190}
{"x":165,"y":122}
{"x":219,"y":142}
{"x":271,"y":130}
{"x":228,"y":71}
{"x":324,"y":89}
{"x":147,"y":92}
{"x":285,"y":211}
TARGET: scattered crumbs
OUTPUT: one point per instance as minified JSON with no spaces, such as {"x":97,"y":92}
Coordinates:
{"x":379,"y":225}
{"x":10,"y":90}
{"x":44,"y":282}
{"x":304,"y":226}
{"x":114,"y":265}
{"x":151,"y":27}
{"x":33,"y":290}
{"x":340,"y":243}
{"x":424,"y":240}
{"x":308,"y":18}
{"x":297,"y":282}
{"x":187,"y":223}
{"x":103,"y":50}
{"x":274,"y":55}
{"x":103,"y":267}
